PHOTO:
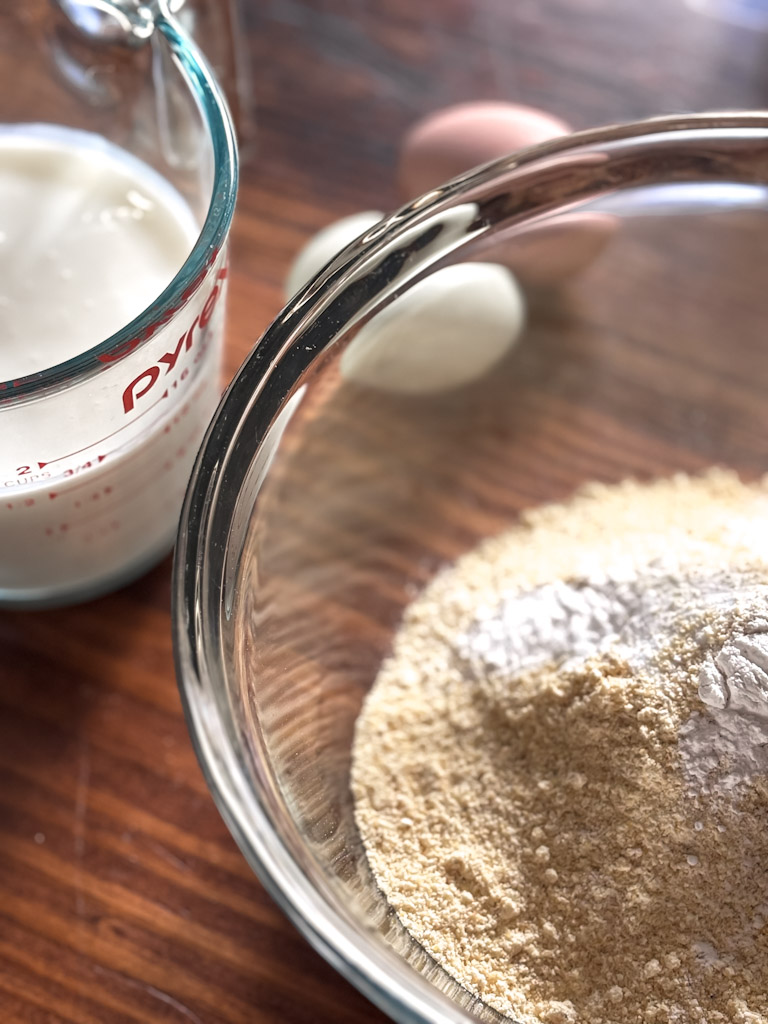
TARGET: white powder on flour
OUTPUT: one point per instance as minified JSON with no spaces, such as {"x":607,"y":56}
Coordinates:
{"x":637,"y":616}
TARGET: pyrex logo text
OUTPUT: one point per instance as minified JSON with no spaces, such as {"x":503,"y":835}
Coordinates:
{"x":146,"y":380}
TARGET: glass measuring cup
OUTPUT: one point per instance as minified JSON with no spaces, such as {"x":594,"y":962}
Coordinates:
{"x":96,"y":446}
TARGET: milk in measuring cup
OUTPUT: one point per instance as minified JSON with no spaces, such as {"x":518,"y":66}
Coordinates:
{"x":92,"y":477}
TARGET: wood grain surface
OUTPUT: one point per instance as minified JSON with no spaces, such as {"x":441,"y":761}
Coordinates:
{"x":122,"y":897}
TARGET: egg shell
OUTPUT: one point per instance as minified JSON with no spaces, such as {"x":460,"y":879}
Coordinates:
{"x":546,"y":254}
{"x":456,"y":139}
{"x":447,"y":330}
{"x":323,"y":246}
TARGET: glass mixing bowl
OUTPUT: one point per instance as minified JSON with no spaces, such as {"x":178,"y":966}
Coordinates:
{"x":331,"y":487}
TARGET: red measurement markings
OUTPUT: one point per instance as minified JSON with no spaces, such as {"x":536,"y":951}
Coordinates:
{"x":146,"y":451}
{"x":100,"y":458}
{"x":95,"y":497}
{"x":99,"y":511}
{"x":25,"y":475}
{"x":67,"y":489}
{"x":22,"y":503}
{"x":140,"y":451}
{"x":107,"y":437}
{"x":86,"y":483}
{"x":25,"y":471}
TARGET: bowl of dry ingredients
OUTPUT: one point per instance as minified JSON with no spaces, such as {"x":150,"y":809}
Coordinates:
{"x":471,"y":597}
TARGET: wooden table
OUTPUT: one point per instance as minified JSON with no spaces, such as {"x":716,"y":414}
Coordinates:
{"x":122,"y":897}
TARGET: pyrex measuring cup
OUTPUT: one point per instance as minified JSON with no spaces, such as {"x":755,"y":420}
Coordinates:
{"x":96,"y":446}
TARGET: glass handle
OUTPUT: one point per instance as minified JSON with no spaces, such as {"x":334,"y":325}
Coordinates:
{"x":132,"y":23}
{"x":115,"y":22}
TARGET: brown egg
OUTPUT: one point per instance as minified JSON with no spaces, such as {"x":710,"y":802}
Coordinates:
{"x":456,"y":139}
{"x":547,"y":253}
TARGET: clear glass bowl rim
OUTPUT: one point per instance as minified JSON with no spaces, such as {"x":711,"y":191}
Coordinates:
{"x":207,"y":551}
{"x":213,"y":234}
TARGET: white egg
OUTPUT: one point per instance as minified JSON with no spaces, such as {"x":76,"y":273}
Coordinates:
{"x":325,"y":245}
{"x":446,"y":331}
